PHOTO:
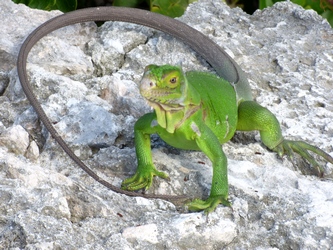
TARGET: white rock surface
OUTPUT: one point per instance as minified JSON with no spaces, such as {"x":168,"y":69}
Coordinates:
{"x":16,"y":139}
{"x":86,"y":78}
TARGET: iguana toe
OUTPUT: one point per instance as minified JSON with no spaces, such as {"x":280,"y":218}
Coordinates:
{"x":208,"y":205}
{"x":142,"y":180}
{"x":287,"y":147}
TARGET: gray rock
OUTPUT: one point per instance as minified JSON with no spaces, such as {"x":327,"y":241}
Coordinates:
{"x":16,"y":139}
{"x":86,"y":79}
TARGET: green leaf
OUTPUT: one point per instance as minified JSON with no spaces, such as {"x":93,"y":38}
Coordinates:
{"x":38,"y":4}
{"x":315,"y":5}
{"x":266,"y":3}
{"x":328,"y":14}
{"x":43,"y":5}
{"x":66,"y":5}
{"x":300,"y":2}
{"x":127,"y":3}
{"x":63,"y":5}
{"x":171,"y":8}
{"x":21,"y":1}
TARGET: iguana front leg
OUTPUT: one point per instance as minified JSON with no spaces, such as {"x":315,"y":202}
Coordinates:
{"x":210,"y":145}
{"x":252,"y":116}
{"x":146,"y":170}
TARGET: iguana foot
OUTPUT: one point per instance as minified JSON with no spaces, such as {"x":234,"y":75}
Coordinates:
{"x":208,"y":205}
{"x":142,"y":179}
{"x":287,"y":147}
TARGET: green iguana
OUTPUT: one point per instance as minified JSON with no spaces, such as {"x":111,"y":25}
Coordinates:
{"x":200,"y":111}
{"x":192,"y":111}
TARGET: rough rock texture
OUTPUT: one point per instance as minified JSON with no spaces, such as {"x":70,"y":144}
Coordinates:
{"x":86,"y":78}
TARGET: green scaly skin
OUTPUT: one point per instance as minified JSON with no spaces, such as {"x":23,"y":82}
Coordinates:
{"x":199,"y":111}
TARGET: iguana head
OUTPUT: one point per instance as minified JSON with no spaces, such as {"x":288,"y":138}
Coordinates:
{"x":167,"y":90}
{"x":164,"y":85}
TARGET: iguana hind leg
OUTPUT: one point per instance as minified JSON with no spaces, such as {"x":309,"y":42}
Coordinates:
{"x":252,"y":116}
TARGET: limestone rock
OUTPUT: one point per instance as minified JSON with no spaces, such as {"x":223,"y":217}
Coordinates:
{"x":86,"y":79}
{"x":16,"y":139}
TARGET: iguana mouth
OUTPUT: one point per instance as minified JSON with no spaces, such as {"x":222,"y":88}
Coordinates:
{"x":164,"y":106}
{"x":161,"y":97}
{"x":155,"y":95}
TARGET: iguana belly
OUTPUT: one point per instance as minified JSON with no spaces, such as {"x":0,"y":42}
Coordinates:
{"x":185,"y":136}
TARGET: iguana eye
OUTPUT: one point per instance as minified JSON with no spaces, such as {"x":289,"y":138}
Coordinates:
{"x":173,"y":80}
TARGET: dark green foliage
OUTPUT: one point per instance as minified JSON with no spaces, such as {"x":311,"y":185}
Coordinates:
{"x":129,"y":3}
{"x":62,"y":5}
{"x":175,"y":8}
{"x":172,"y":8}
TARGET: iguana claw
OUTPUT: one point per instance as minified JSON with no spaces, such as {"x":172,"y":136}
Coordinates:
{"x":287,"y":147}
{"x":142,"y":179}
{"x":208,"y":205}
